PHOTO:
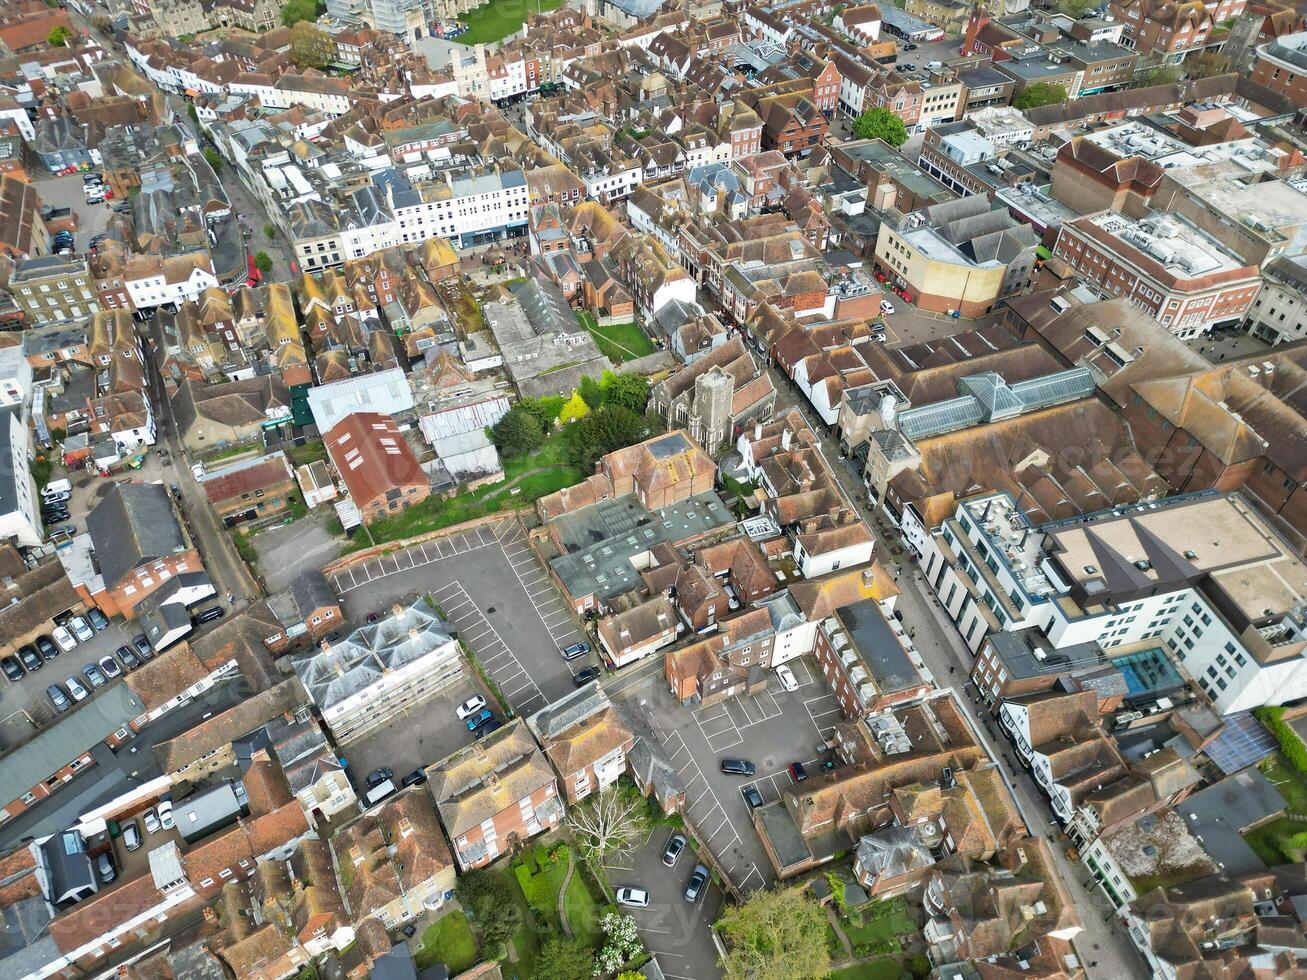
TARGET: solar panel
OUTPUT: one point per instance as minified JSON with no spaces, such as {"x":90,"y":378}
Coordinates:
{"x":1243,"y":742}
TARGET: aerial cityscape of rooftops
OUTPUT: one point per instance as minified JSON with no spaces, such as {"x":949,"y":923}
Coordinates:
{"x":639,"y":489}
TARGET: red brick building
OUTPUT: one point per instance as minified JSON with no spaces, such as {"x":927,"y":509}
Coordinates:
{"x":1172,"y":30}
{"x":1281,"y":66}
{"x":494,"y":794}
{"x":866,"y":661}
{"x":1163,"y":264}
{"x":377,"y":464}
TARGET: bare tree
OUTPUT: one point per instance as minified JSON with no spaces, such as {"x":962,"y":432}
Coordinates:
{"x":610,"y":822}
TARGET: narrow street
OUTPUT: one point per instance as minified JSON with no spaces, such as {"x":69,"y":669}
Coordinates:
{"x":1104,"y":948}
{"x":224,"y":565}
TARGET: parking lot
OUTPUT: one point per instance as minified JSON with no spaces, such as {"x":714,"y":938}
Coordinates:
{"x":493,"y":589}
{"x":66,"y":192}
{"x":414,"y":740}
{"x":677,"y":933}
{"x":25,"y":705}
{"x":771,"y":730}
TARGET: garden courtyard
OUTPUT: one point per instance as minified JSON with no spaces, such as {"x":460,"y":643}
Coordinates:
{"x":497,"y":19}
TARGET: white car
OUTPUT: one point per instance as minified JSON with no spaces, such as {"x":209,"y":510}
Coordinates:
{"x":81,"y":628}
{"x":197,"y":470}
{"x":151,"y":821}
{"x":165,"y":815}
{"x":75,"y":688}
{"x":786,"y":677}
{"x":636,"y":898}
{"x":63,"y":638}
{"x":886,"y":307}
{"x":470,"y":707}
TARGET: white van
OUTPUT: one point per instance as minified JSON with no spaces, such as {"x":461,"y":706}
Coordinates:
{"x":378,"y":793}
{"x":54,"y":488}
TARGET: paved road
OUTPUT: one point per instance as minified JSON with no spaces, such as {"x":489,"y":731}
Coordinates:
{"x":1103,"y":942}
{"x":225,"y":567}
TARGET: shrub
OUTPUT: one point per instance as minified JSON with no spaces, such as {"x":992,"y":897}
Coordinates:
{"x":1291,"y":746}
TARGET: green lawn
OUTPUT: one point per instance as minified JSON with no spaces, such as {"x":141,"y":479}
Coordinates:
{"x":1290,"y":783}
{"x":310,"y":452}
{"x":866,"y":926}
{"x":448,"y":940}
{"x":539,"y":878}
{"x":1271,"y":841}
{"x":433,"y":513}
{"x":882,"y":969}
{"x":496,"y":20}
{"x":618,"y":342}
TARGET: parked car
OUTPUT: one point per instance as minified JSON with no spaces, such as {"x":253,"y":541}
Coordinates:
{"x":151,"y":821}
{"x":672,"y":852}
{"x":64,"y":639}
{"x":54,"y":516}
{"x":55,"y":487}
{"x":886,"y":308}
{"x":29,"y":658}
{"x":48,"y":650}
{"x":576,"y":650}
{"x":76,"y":689}
{"x":414,"y":778}
{"x":480,"y":718}
{"x":797,"y":772}
{"x":104,"y":866}
{"x":694,"y":887}
{"x":737,"y":767}
{"x":81,"y":629}
{"x":131,"y":835}
{"x":378,"y":776}
{"x":751,"y":796}
{"x":787,"y":679}
{"x":98,"y":619}
{"x":52,"y":500}
{"x":129,"y":659}
{"x":492,"y":725}
{"x":92,"y":673}
{"x":165,"y":815}
{"x":583,"y":677}
{"x":470,"y":707}
{"x":635,"y":898}
{"x":110,"y":668}
{"x":58,"y":697}
{"x":143,"y":648}
{"x":12,"y":669}
{"x":208,"y":615}
{"x":197,"y":470}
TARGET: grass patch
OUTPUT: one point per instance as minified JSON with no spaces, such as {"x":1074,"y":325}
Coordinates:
{"x":876,"y":927}
{"x":435,"y":513}
{"x":618,"y":342}
{"x":882,"y":969}
{"x":310,"y":452}
{"x":1273,"y":841}
{"x":1291,"y":783}
{"x":42,"y":467}
{"x":230,"y":451}
{"x":245,"y":549}
{"x":448,"y":940}
{"x":496,"y":20}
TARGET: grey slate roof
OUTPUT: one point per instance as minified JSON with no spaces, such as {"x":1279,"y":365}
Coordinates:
{"x":134,"y":523}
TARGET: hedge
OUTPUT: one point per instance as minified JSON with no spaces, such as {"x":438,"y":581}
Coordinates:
{"x":1291,"y":746}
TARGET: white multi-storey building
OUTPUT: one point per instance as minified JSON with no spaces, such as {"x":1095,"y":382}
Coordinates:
{"x":1203,"y":575}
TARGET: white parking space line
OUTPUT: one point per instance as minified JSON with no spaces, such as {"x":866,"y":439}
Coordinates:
{"x":494,"y":654}
{"x":426,"y":553}
{"x":553,"y":612}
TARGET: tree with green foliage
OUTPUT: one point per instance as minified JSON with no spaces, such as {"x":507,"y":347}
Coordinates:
{"x":564,"y":959}
{"x":589,"y":390}
{"x":545,"y":409}
{"x":1076,"y":9}
{"x":299,"y":10}
{"x":1207,"y":64}
{"x":487,"y":897}
{"x":881,"y":124}
{"x":610,"y":427}
{"x":263,"y":262}
{"x":310,"y":46}
{"x":1040,"y":93}
{"x":58,"y":36}
{"x":575,"y":408}
{"x":625,"y":391}
{"x":919,"y":966}
{"x":213,"y":158}
{"x":775,"y":935}
{"x":517,"y":433}
{"x":269,"y":230}
{"x":1159,"y":74}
